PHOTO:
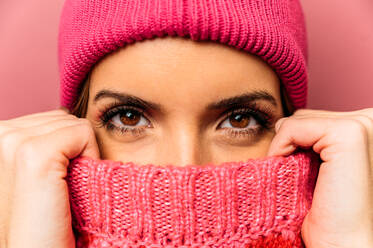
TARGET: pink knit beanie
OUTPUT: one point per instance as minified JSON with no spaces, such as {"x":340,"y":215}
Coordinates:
{"x":273,"y":30}
{"x":255,"y":203}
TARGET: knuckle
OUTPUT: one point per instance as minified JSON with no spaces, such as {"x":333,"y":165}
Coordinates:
{"x":85,"y":122}
{"x":60,"y":110}
{"x":282,"y":122}
{"x":73,"y":116}
{"x":69,"y":117}
{"x":4,"y":127}
{"x":5,"y":124}
{"x":301,"y":111}
{"x":26,"y":149}
{"x":286,"y":120}
{"x":86,"y":126}
{"x":355,"y":127}
{"x":367,"y":121}
{"x":9,"y":138}
{"x":368,"y":112}
{"x":28,"y":157}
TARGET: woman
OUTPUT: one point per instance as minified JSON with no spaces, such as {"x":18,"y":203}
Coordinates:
{"x":175,"y":100}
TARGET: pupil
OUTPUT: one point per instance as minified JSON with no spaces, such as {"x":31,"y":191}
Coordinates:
{"x":130,"y":115}
{"x":239,"y":121}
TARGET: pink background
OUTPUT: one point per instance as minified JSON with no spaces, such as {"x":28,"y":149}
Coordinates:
{"x":340,"y":35}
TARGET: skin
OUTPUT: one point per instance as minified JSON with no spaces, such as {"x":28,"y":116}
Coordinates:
{"x":35,"y":149}
{"x":195,"y":75}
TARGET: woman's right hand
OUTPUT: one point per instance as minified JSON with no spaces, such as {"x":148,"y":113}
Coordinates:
{"x":34,"y":154}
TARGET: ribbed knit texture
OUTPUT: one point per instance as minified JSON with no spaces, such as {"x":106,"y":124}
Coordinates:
{"x":274,"y":30}
{"x":253,"y":203}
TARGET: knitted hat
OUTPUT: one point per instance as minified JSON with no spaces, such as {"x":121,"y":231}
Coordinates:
{"x":273,"y":30}
{"x":254,"y":203}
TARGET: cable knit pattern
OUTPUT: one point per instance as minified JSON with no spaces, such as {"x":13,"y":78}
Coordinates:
{"x":254,"y":203}
{"x":274,"y":30}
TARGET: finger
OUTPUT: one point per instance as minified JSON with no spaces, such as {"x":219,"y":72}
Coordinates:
{"x":41,"y":127}
{"x":58,"y":147}
{"x":33,"y":120}
{"x":308,"y":112}
{"x":41,"y":114}
{"x":292,"y":133}
{"x":318,"y":133}
{"x":39,"y":120}
{"x":364,"y":116}
{"x":367,"y":111}
{"x":365,"y":119}
{"x":52,"y":125}
{"x":73,"y":141}
{"x":279,"y":123}
{"x":11,"y":139}
{"x":325,"y":113}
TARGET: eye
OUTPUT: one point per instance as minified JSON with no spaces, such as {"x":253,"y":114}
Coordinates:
{"x":246,"y":118}
{"x":239,"y":121}
{"x":244,"y":123}
{"x":124,"y":119}
{"x":129,"y":117}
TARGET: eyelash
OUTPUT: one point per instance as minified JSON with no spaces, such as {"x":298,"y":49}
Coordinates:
{"x":114,"y":109}
{"x":262,"y":116}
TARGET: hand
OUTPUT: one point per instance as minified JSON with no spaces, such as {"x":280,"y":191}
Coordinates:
{"x":341,"y":214}
{"x":34,"y":154}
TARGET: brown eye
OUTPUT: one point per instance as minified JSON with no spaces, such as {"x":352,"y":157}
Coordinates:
{"x":239,"y":121}
{"x":130,"y":118}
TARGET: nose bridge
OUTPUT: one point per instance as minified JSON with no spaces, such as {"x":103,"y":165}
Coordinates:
{"x":185,"y":145}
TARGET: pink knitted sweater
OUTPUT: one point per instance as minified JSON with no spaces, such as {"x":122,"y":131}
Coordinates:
{"x":253,"y":203}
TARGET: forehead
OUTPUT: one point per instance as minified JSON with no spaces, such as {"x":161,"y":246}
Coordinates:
{"x":178,"y":67}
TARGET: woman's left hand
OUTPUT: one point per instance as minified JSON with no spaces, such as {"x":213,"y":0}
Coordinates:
{"x":341,"y":214}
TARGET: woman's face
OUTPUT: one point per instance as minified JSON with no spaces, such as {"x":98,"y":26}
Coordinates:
{"x":175,"y":101}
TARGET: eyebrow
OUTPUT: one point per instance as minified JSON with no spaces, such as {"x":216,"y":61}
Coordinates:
{"x":245,"y":98}
{"x":125,"y":98}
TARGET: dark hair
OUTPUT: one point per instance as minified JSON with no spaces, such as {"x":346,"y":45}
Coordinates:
{"x":287,"y":108}
{"x":81,"y":104}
